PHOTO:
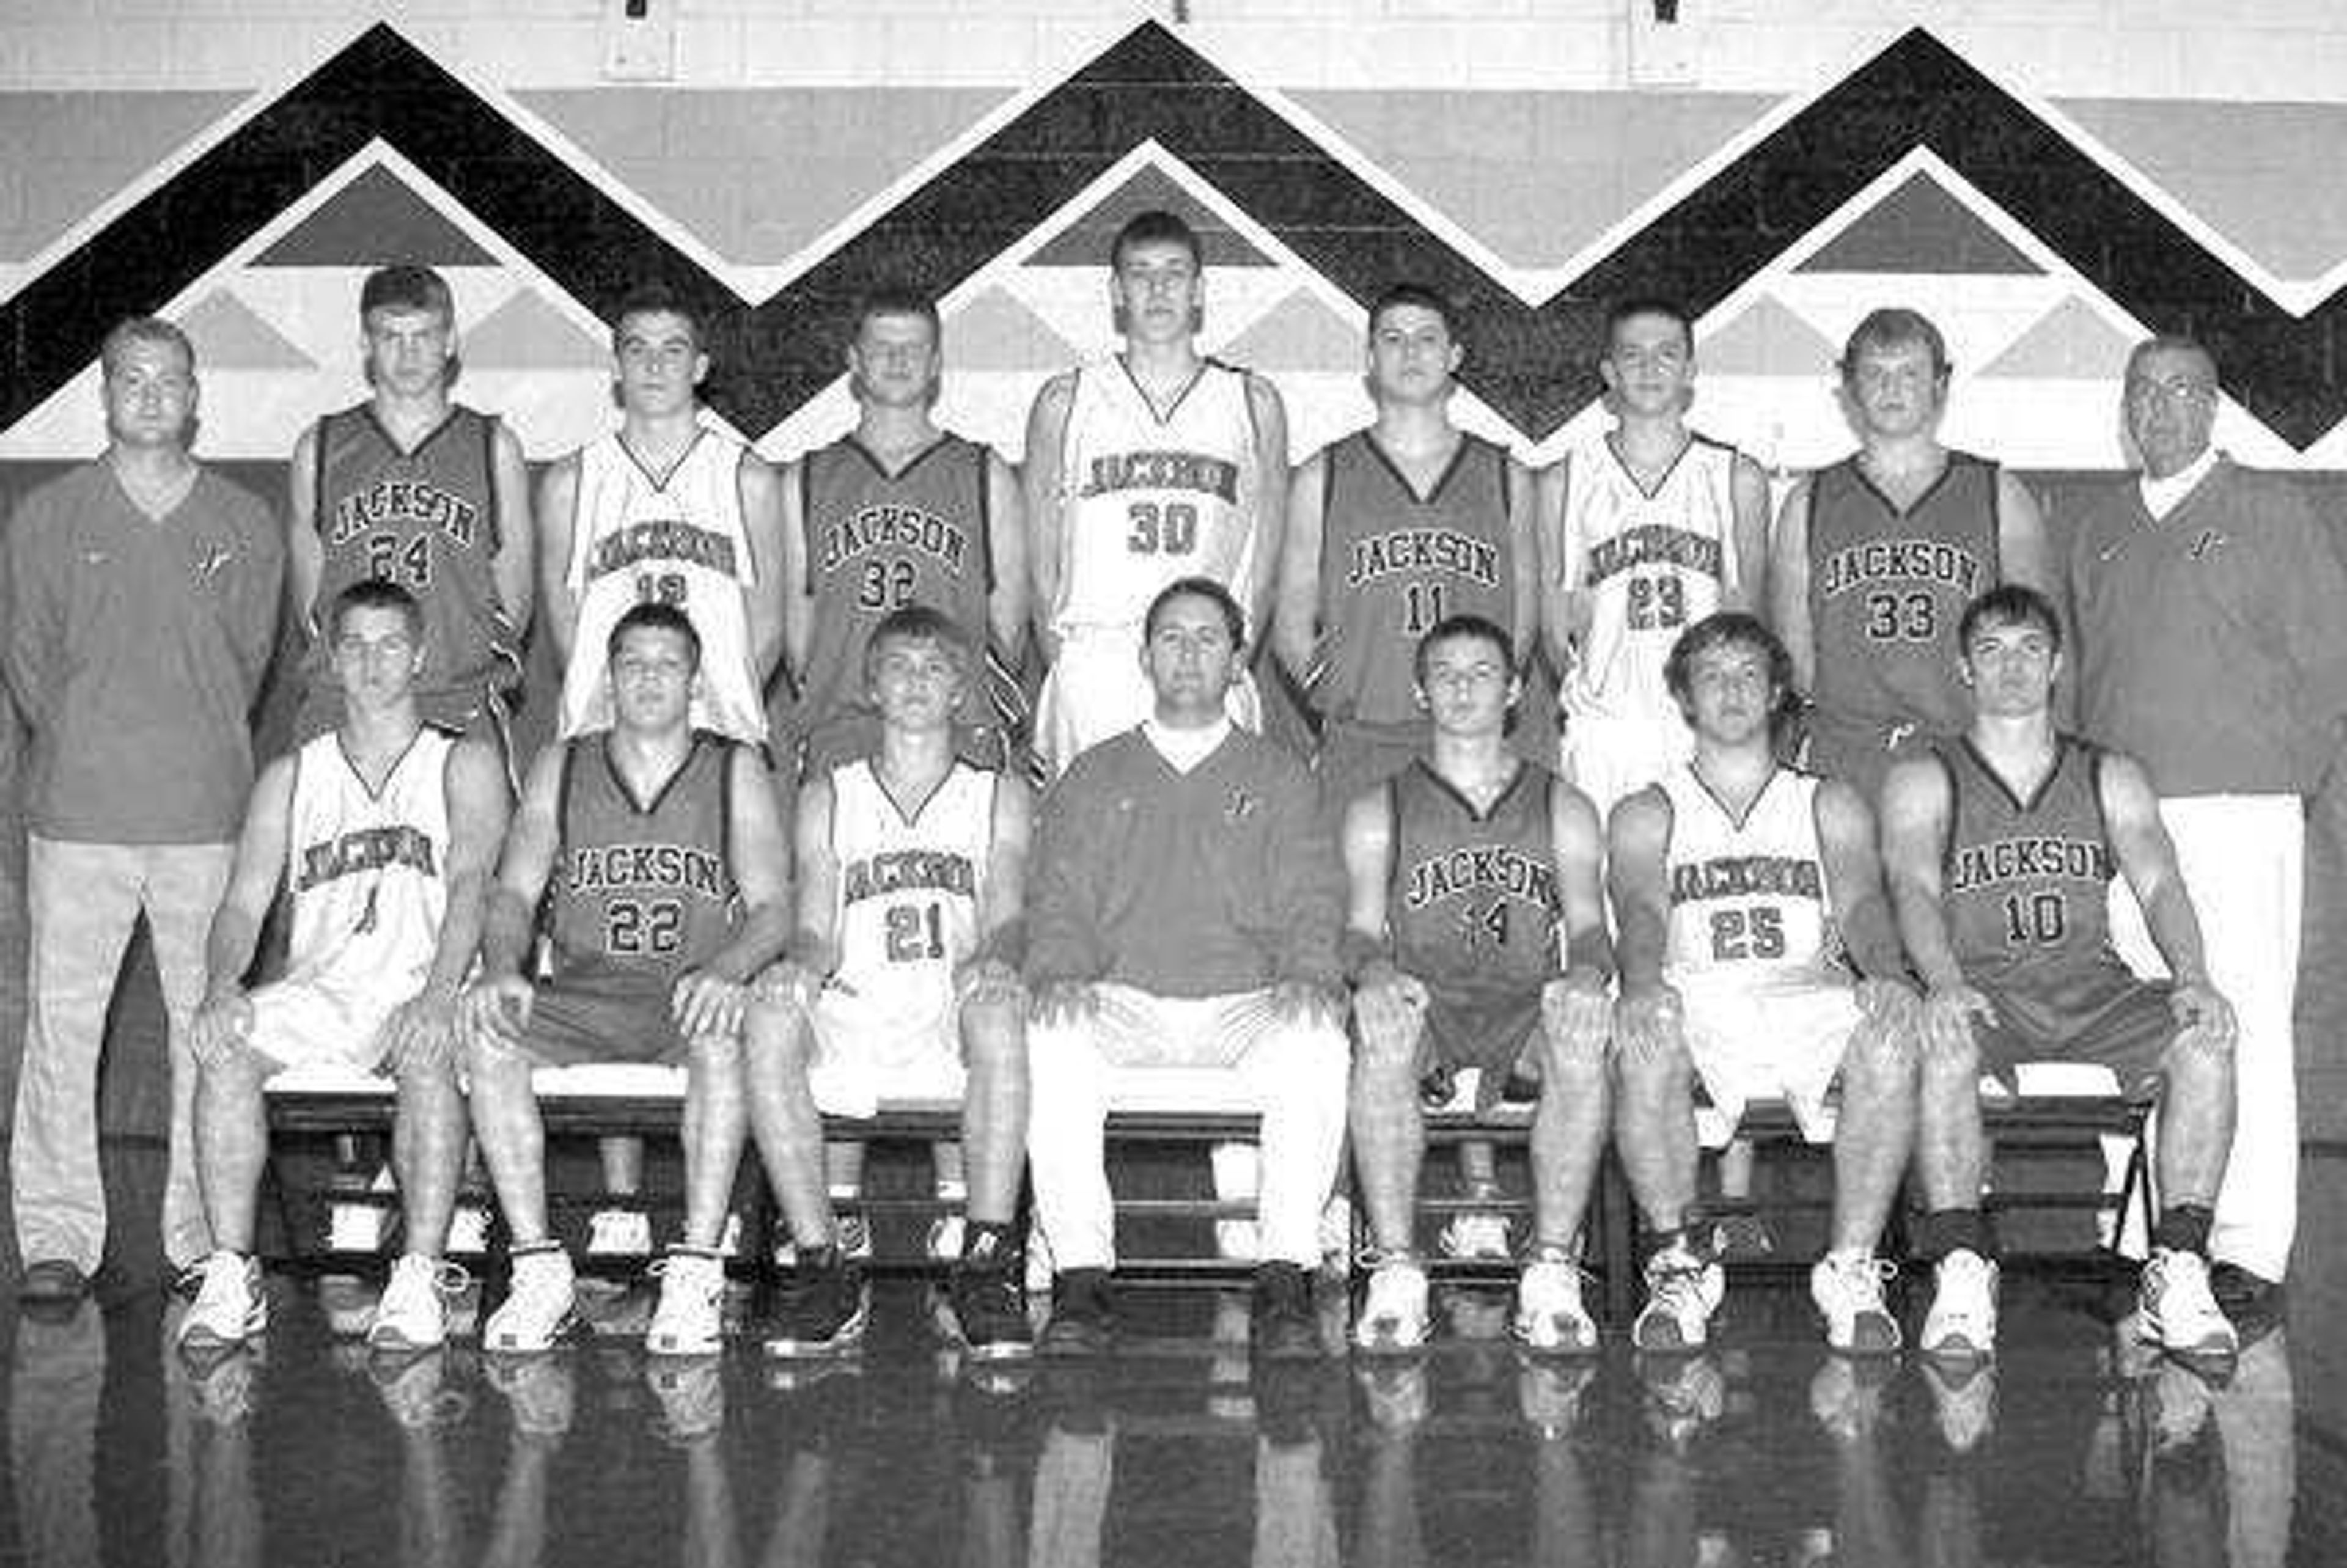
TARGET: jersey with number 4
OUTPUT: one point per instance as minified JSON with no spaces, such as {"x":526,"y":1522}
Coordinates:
{"x":1653,"y":559}
{"x":1473,"y":903}
{"x":1748,"y":895}
{"x":1149,"y":497}
{"x":877,"y":541}
{"x":643,"y":889}
{"x":638,"y":537}
{"x":909,"y":888}
{"x":2027,"y":881}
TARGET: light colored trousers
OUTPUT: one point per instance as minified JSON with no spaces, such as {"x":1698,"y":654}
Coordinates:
{"x":84,"y":899}
{"x":1293,"y":1075}
{"x":2243,"y":860}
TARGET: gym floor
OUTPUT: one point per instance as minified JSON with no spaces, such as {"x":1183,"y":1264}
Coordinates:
{"x":2070,"y":1449}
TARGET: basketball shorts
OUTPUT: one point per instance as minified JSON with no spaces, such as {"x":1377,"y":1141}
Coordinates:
{"x":1861,"y":752}
{"x":576,"y":1020}
{"x":1773,"y":1040}
{"x":869,"y":1048}
{"x":1609,"y":758}
{"x":481,"y":708}
{"x":1356,"y":757}
{"x":2103,"y":1014}
{"x":1493,"y":1031}
{"x":1097,"y":689}
{"x":854,"y":732}
{"x":301,"y":1023}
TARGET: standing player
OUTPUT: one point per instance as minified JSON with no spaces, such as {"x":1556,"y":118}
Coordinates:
{"x":1874,"y":558}
{"x":665,"y":509}
{"x":413,"y":488}
{"x":1741,"y":887}
{"x":383,"y":835}
{"x":2002,"y":846}
{"x":1465,"y":867}
{"x":666,"y":859}
{"x":901,"y":978}
{"x":897,"y":512}
{"x":1151,"y":465}
{"x":1645,"y":532}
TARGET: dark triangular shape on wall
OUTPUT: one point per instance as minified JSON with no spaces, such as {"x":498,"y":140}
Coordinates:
{"x":376,"y":220}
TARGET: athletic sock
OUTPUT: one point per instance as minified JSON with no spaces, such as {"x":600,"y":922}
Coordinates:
{"x":2183,"y":1228}
{"x":1944,"y":1231}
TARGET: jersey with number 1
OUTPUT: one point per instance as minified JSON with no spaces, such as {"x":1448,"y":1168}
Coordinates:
{"x":677,"y":538}
{"x":909,"y":888}
{"x":366,"y":868}
{"x":1748,"y":895}
{"x":1653,"y":559}
{"x":642,"y":888}
{"x":1148,"y":497}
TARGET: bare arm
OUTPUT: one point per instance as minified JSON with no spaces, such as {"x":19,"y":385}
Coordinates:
{"x":516,"y":530}
{"x":1295,"y":629}
{"x":992,"y":972}
{"x":761,"y":863}
{"x":305,"y":556}
{"x":421,"y":1029}
{"x":1854,"y":885}
{"x":1580,"y":845}
{"x":534,"y":839}
{"x":1748,"y":493}
{"x":2021,"y":544}
{"x":1917,"y":809}
{"x":760,"y":490}
{"x":811,"y":951}
{"x":557,"y":516}
{"x":1524,"y":545}
{"x":797,"y":585}
{"x":1638,"y":841}
{"x":1563,"y":609}
{"x":1789,"y":585}
{"x":1046,"y":430}
{"x":2147,"y":859}
{"x":1270,"y":499}
{"x":1006,"y":543}
{"x":1368,"y":858}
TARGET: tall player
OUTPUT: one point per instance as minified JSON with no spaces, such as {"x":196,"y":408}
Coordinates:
{"x":897,"y":512}
{"x":665,"y":509}
{"x":1645,"y":530}
{"x":1740,"y":887}
{"x":1874,"y":558}
{"x":1153,"y":464}
{"x":383,"y":836}
{"x":658,"y":849}
{"x":2002,"y":846}
{"x":414,"y":488}
{"x":902,"y":978}
{"x":1465,"y":868}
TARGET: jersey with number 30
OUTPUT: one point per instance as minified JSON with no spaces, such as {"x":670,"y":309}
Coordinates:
{"x":1149,"y":499}
{"x":1748,"y":897}
{"x":909,"y":888}
{"x":674,"y":538}
{"x":643,"y":889}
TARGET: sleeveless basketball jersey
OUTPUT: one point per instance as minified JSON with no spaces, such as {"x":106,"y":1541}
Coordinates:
{"x":644,"y":890}
{"x":907,"y":906}
{"x":1145,"y":499}
{"x":1652,"y":564}
{"x":1887,"y":589}
{"x":1473,"y":904}
{"x":680,"y":540}
{"x":366,"y":869}
{"x":425,"y":519}
{"x":1747,"y":900}
{"x":877,"y":541}
{"x":2026,"y":881}
{"x":1393,"y":563}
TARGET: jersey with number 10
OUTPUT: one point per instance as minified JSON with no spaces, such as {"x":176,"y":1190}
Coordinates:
{"x":1150,"y":498}
{"x":1747,"y":895}
{"x":2028,"y":881}
{"x":643,"y":889}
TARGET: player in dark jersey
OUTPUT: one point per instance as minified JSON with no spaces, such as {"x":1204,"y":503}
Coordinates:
{"x":666,"y":860}
{"x":1390,"y":530}
{"x":899,"y":512}
{"x":2002,"y":848}
{"x":1873,"y":559}
{"x":413,"y":488}
{"x":1476,"y":937}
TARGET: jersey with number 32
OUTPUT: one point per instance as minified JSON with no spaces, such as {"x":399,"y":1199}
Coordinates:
{"x":1748,"y":897}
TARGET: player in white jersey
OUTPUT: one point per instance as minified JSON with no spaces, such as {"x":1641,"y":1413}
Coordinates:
{"x":901,"y":981}
{"x":381,"y":834}
{"x":1744,"y":893}
{"x":665,"y":508}
{"x":1645,"y":529}
{"x":1151,"y":465}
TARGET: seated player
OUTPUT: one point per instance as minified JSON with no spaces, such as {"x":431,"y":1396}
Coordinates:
{"x":1464,"y":867}
{"x":901,"y":978}
{"x":381,"y":832}
{"x":2001,"y":847}
{"x":1740,"y":887}
{"x":660,"y":853}
{"x":1183,"y":914}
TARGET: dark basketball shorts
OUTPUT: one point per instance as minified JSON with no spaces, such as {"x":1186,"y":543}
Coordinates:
{"x":853,"y":733}
{"x":1861,"y":752}
{"x":1355,"y":757}
{"x":2103,"y":1014}
{"x":578,"y":1020}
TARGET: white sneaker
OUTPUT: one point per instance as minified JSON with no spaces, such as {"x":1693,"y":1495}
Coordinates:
{"x":411,"y":1316}
{"x":1477,"y":1233}
{"x":1848,"y":1290}
{"x":540,"y":1307}
{"x":1682,"y":1293}
{"x":619,"y":1233}
{"x":1393,"y":1309}
{"x":228,"y":1307}
{"x":1963,"y":1319}
{"x":2181,"y":1312}
{"x":944,"y":1244}
{"x":1549,"y":1312}
{"x":690,"y":1317}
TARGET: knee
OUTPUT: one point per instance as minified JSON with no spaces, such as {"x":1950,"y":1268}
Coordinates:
{"x":1572,"y":1059}
{"x":1388,"y":1052}
{"x":1951,"y":1061}
{"x":994,"y":1034}
{"x":491,"y":1064}
{"x":715,"y":1053}
{"x":1883,"y":1053}
{"x":776,"y":1037}
{"x":1655,"y":1079}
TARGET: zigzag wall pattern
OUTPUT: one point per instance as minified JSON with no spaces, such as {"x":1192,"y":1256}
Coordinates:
{"x":1531,"y":363}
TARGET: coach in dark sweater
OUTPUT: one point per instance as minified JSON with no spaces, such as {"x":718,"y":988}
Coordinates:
{"x":1185,"y":913}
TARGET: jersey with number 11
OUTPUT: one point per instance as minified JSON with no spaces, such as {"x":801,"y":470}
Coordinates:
{"x":1152,"y":496}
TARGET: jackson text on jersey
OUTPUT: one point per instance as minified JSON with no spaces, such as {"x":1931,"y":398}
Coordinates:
{"x":1742,"y":876}
{"x":1208,"y":475}
{"x":2029,"y":859}
{"x":366,"y":849}
{"x":1654,"y":544}
{"x":663,"y":540}
{"x":907,"y":528}
{"x":1424,"y":549}
{"x":1900,"y":560}
{"x":416,"y":501}
{"x":598,"y":867}
{"x":1471,"y":866}
{"x":906,"y":870}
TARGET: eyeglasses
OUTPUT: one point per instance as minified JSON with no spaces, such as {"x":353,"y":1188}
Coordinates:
{"x":2176,"y":389}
